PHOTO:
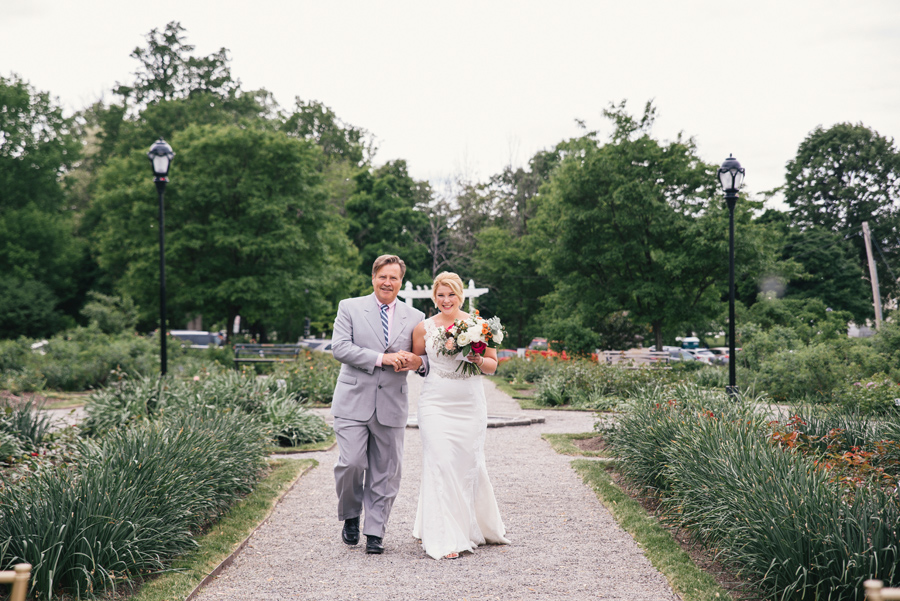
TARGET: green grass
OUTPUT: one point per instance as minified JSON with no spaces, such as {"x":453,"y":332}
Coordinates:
{"x":58,"y":399}
{"x":515,"y":391}
{"x":685,"y":578}
{"x":226,"y":535}
{"x":304,"y":448}
{"x":564,"y":444}
{"x":526,"y":401}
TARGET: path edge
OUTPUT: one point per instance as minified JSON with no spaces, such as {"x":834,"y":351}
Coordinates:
{"x":231,"y":557}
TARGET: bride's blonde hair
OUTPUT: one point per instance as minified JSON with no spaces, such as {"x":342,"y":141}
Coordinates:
{"x":451,"y":281}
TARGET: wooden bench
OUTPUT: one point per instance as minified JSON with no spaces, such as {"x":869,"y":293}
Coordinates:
{"x":875,"y":591}
{"x":266,"y":353}
{"x":18,"y":577}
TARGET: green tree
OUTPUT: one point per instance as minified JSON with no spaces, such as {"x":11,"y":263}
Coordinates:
{"x":384,"y":220}
{"x":247,"y":231}
{"x":845,"y":175}
{"x":39,"y":257}
{"x":167,"y":71}
{"x":37,"y":147}
{"x":829,"y":270}
{"x":339,"y":141}
{"x":507,"y":265}
{"x":630,"y":225}
{"x":503,"y":254}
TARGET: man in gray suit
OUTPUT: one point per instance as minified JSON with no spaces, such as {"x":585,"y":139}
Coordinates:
{"x":372,"y":338}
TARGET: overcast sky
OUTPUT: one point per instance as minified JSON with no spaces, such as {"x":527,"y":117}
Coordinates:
{"x":468,"y":87}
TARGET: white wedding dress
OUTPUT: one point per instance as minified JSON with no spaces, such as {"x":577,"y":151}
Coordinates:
{"x":457,"y":509}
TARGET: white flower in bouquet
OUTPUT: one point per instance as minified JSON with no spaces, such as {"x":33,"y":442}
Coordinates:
{"x":473,"y":335}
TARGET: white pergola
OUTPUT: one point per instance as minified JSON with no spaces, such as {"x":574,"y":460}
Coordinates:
{"x":409,"y":293}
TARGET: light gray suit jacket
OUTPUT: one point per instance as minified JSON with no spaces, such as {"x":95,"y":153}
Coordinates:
{"x":362,"y":388}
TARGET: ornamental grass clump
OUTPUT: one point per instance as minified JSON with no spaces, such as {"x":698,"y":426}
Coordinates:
{"x":24,"y":421}
{"x":777,"y":511}
{"x":128,"y":502}
{"x":138,"y":399}
{"x":652,"y":418}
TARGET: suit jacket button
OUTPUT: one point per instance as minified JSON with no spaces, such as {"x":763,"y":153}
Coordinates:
{"x":379,"y":386}
{"x":382,"y":369}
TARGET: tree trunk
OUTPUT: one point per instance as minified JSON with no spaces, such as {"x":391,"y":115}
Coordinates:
{"x":657,"y":335}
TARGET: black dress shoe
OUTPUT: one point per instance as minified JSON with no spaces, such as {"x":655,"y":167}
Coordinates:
{"x":374,"y":545}
{"x":350,"y":533}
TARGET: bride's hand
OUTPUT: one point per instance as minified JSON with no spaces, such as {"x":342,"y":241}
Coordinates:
{"x":408,"y":361}
{"x":476,"y":359}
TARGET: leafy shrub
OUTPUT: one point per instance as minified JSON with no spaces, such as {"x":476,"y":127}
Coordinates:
{"x":531,"y":369}
{"x":14,"y":353}
{"x":759,"y":346}
{"x":110,"y":314}
{"x":878,"y":394}
{"x":586,"y":384}
{"x":26,"y":379}
{"x":311,"y":379}
{"x":709,"y":376}
{"x":806,"y":373}
{"x":84,"y":358}
{"x":129,"y":501}
{"x":856,"y":450}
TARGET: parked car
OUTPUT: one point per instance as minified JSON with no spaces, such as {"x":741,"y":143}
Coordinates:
{"x":704,"y":355}
{"x":322,"y":345}
{"x":198,"y":339}
{"x":680,"y":354}
{"x":538,"y":344}
{"x":721,"y":353}
{"x":506,"y":353}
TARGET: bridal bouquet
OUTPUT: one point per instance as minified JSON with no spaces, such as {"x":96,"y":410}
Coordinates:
{"x":471,"y":335}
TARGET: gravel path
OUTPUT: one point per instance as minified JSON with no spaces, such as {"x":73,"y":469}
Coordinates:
{"x":565,"y":545}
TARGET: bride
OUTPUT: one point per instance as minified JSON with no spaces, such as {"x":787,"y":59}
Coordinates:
{"x":457,"y":509}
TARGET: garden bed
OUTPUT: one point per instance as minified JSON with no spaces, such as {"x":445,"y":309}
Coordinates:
{"x":801,"y":508}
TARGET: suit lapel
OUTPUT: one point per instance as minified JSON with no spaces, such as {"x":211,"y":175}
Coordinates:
{"x":373,"y":317}
{"x":400,"y":317}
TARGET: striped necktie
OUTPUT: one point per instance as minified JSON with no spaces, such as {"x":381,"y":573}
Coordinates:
{"x":384,"y":323}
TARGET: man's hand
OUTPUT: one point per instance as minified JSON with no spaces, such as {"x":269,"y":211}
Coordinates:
{"x":395,"y":360}
{"x":409,"y":362}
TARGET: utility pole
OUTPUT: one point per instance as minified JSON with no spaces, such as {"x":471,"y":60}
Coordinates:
{"x":873,"y":274}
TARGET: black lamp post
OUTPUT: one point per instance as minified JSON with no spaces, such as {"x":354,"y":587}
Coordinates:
{"x":160,"y":156}
{"x":731,"y":176}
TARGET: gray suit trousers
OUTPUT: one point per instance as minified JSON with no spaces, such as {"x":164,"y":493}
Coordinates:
{"x":367,"y":472}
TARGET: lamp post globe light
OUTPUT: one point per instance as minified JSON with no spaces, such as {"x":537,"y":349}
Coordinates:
{"x":160,"y":156}
{"x":731,"y":177}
